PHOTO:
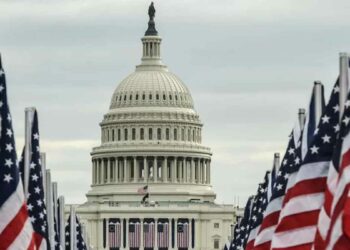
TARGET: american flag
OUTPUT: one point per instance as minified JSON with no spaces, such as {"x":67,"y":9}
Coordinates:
{"x":297,"y":226}
{"x":114,"y":234}
{"x":242,"y":231}
{"x":80,"y":243}
{"x":36,"y":198}
{"x":182,"y":234}
{"x":148,"y":234}
{"x":338,"y":236}
{"x":272,"y":212}
{"x":16,"y":231}
{"x":134,"y":234}
{"x":259,"y":205}
{"x":163,"y":234}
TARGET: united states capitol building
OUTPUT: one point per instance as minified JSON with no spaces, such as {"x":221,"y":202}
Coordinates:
{"x":151,"y":137}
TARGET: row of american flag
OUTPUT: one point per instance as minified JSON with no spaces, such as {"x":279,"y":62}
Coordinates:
{"x":31,"y":214}
{"x":304,"y":203}
{"x":150,"y":234}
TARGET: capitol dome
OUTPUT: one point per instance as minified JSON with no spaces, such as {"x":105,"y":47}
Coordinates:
{"x":147,"y":87}
{"x":151,"y":135}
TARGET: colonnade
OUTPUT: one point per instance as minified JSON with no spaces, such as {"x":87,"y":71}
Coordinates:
{"x":150,"y":169}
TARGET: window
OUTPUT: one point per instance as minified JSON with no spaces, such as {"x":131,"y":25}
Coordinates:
{"x":175,"y":134}
{"x":150,"y":96}
{"x":150,"y":134}
{"x":193,"y":136}
{"x":130,"y":97}
{"x":164,"y":97}
{"x":189,"y":135}
{"x":176,"y":97}
{"x":134,"y":134}
{"x":112,"y":134}
{"x":216,"y":225}
{"x":159,"y":134}
{"x":107,"y":134}
{"x":142,"y":134}
{"x":137,"y":97}
{"x":125,"y":98}
{"x":120,"y":98}
{"x":143,"y":97}
{"x":119,"y":137}
{"x":170,"y":97}
{"x":167,"y":134}
{"x":125,"y":134}
{"x":157,"y":96}
{"x":216,"y":244}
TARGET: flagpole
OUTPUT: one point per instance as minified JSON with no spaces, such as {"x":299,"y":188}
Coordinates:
{"x":301,"y":116}
{"x":29,"y":116}
{"x":343,"y":81}
{"x":72,"y":228}
{"x":61,"y":222}
{"x":54,"y":201}
{"x":276,"y":162}
{"x":318,"y":101}
{"x":49,"y":209}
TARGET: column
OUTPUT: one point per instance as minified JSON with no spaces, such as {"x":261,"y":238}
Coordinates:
{"x":209,"y":171}
{"x":200,"y":171}
{"x":108,"y":170}
{"x":136,"y":170}
{"x":102,"y":171}
{"x":182,"y":169}
{"x":175,"y":238}
{"x":107,"y":241}
{"x":155,"y":169}
{"x":165,"y":169}
{"x":192,"y":170}
{"x":127,"y":234}
{"x":145,"y":168}
{"x":93,"y":172}
{"x":125,"y":170}
{"x":174,"y":167}
{"x":100,"y":234}
{"x":185,"y":171}
{"x":116,"y":176}
{"x":204,"y":171}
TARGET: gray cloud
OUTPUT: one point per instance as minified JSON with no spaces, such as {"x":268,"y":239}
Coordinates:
{"x":249,"y":64}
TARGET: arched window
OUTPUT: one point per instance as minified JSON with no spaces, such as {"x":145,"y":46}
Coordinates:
{"x":107,"y":134}
{"x":142,"y":134}
{"x":130,"y":97}
{"x":150,"y":96}
{"x":157,"y":96}
{"x":134,"y":134}
{"x":124,"y":97}
{"x":176,"y":97}
{"x":167,"y":134}
{"x":159,"y":134}
{"x":112,"y":134}
{"x":119,"y":137}
{"x":143,"y":97}
{"x":137,"y":97}
{"x":183,"y":134}
{"x":175,"y":134}
{"x":164,"y":97}
{"x":120,"y":98}
{"x":170,"y":97}
{"x":125,"y":134}
{"x":150,"y":134}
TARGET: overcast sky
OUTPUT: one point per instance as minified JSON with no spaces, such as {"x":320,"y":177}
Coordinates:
{"x":249,"y":65}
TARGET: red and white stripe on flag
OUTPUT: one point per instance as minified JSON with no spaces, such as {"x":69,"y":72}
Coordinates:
{"x":148,"y":234}
{"x":163,"y":235}
{"x":134,"y":234}
{"x":114,"y":235}
{"x":339,"y":232}
{"x":182,"y":235}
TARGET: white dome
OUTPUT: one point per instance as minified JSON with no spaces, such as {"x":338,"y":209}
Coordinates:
{"x":151,"y":88}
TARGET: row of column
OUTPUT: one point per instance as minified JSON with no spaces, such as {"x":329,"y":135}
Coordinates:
{"x":151,"y":48}
{"x":150,"y":169}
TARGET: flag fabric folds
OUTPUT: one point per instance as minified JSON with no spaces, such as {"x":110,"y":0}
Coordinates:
{"x":182,"y":234}
{"x":78,"y":234}
{"x":16,"y":231}
{"x":134,"y":234}
{"x":148,"y":234}
{"x":36,"y":198}
{"x":163,"y":234}
{"x":114,"y":234}
{"x":298,"y":218}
